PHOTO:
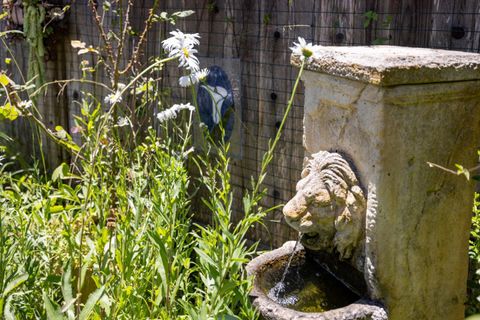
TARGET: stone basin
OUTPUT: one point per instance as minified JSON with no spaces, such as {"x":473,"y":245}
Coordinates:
{"x":343,"y":293}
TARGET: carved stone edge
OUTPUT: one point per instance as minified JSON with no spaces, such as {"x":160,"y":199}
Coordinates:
{"x":390,"y":66}
{"x":363,"y":309}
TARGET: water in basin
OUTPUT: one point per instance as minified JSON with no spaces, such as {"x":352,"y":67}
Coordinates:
{"x":309,"y":287}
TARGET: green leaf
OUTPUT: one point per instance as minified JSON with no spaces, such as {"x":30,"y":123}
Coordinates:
{"x":462,"y":170}
{"x":8,"y":314}
{"x":18,"y":280}
{"x":5,"y":137}
{"x":106,"y":304}
{"x":4,"y":80}
{"x":379,"y":41}
{"x":183,"y":14}
{"x":162,"y":263}
{"x":204,"y":257}
{"x":9,"y":112}
{"x":72,"y":146}
{"x":91,"y":302}
{"x":67,"y":288}
{"x":66,"y":139}
{"x":52,"y":312}
{"x":60,"y":172}
{"x":56,"y":209}
{"x":61,"y":133}
{"x":228,"y":317}
{"x":370,"y":16}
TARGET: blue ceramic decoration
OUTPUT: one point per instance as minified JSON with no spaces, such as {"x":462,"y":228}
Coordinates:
{"x":215,"y":103}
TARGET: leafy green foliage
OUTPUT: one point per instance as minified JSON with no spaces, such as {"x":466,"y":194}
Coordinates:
{"x":4,"y":80}
{"x":473,"y":303}
{"x":172,"y":18}
{"x":370,"y":16}
{"x":34,"y":17}
{"x":120,"y":242}
{"x":112,"y":235}
{"x":9,"y":112}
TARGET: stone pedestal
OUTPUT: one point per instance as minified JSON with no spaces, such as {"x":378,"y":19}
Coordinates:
{"x":389,"y":111}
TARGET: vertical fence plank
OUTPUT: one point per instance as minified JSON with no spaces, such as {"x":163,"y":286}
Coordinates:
{"x":441,"y":24}
{"x":475,"y":28}
{"x":463,"y":25}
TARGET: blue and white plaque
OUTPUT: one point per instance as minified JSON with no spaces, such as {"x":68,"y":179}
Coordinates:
{"x":215,"y":101}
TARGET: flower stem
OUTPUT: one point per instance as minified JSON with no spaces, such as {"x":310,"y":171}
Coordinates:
{"x":267,"y":158}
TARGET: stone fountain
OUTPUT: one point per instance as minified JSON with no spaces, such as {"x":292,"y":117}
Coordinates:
{"x":373,"y":214}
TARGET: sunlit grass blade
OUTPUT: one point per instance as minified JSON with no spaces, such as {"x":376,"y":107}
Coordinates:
{"x":90,"y":304}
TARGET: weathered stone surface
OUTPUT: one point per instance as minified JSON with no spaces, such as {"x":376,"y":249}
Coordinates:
{"x":391,"y":65}
{"x":362,"y":309}
{"x":329,"y":208}
{"x":417,"y":218}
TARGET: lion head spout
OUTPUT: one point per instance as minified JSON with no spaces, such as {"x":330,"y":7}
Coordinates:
{"x":329,"y":206}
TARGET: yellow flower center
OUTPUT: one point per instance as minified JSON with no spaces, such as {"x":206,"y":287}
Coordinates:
{"x":185,"y":52}
{"x":306,"y":52}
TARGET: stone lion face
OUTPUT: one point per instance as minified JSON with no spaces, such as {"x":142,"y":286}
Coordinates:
{"x":312,"y":212}
{"x":328,"y":207}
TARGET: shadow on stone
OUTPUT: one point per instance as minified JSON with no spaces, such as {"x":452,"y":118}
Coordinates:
{"x":317,"y":286}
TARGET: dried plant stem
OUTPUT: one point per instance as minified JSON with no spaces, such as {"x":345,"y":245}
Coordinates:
{"x":123,"y":36}
{"x":103,"y":35}
{"x":143,"y":37}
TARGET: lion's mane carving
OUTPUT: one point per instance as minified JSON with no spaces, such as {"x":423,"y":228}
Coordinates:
{"x":329,"y":206}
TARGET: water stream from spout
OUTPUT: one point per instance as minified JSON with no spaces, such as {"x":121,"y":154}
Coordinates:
{"x":300,"y":235}
{"x":278,"y":291}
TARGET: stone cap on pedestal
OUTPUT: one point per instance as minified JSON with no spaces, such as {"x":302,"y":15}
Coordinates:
{"x":393,"y":65}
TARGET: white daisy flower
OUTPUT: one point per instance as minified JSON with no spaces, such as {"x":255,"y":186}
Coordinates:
{"x":188,"y":60}
{"x":172,"y":112}
{"x":185,"y":81}
{"x":183,"y":106}
{"x":122,"y":122}
{"x":305,"y":50}
{"x":26,"y":104}
{"x":181,"y":45}
{"x":194,"y":78}
{"x":113,"y":98}
{"x":179,"y":40}
{"x":202,"y":74}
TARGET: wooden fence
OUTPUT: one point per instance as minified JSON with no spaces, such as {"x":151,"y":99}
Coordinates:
{"x":250,"y":39}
